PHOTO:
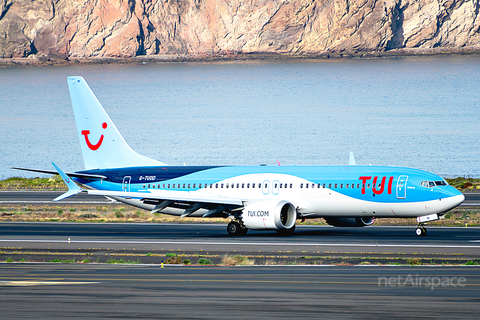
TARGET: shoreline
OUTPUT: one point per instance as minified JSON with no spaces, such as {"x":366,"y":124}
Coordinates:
{"x":236,"y":57}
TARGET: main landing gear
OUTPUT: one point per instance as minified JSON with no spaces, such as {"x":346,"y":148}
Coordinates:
{"x":236,"y":228}
{"x":421,"y":230}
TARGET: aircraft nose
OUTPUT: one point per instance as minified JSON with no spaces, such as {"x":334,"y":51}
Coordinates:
{"x":461,"y":198}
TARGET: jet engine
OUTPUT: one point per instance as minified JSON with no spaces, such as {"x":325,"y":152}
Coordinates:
{"x":350,"y":222}
{"x":270,"y":214}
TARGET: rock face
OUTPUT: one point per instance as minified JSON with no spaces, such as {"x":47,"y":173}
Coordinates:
{"x":127,"y":28}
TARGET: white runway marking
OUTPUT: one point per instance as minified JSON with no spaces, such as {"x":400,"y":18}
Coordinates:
{"x":253,"y":243}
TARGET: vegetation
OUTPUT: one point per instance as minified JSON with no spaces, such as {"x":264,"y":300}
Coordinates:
{"x":204,"y":261}
{"x":53,"y":183}
{"x":464,"y":183}
{"x":236,"y":260}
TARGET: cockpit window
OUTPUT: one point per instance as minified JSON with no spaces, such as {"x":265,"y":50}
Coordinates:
{"x":431,"y":184}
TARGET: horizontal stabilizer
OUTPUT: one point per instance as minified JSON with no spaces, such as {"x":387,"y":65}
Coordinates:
{"x":70,"y":174}
{"x":73,"y":189}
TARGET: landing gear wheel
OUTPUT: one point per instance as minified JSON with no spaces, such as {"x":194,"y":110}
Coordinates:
{"x":421,"y":231}
{"x":286,"y":232}
{"x":235,"y":229}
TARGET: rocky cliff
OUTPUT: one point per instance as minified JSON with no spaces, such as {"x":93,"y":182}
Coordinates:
{"x":126,"y":28}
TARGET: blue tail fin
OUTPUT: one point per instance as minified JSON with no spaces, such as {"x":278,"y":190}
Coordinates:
{"x":102,"y":144}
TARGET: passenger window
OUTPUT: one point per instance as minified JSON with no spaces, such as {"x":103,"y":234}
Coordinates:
{"x":358,"y":186}
{"x":301,"y":185}
{"x":243,"y":185}
{"x":221,"y":186}
{"x":216,"y":185}
{"x":178,"y":186}
{"x":193,"y":186}
{"x":266,"y":185}
{"x":329,"y":186}
{"x":248,"y":185}
{"x":368,"y":186}
{"x":291,"y":185}
{"x":319,"y":186}
{"x":335,"y":186}
{"x":183,"y":186}
{"x":324,"y":186}
{"x":164,"y":186}
{"x":173,"y":185}
{"x":143,"y":186}
{"x":153,"y":186}
{"x":253,"y":185}
{"x":275,"y":185}
{"x":346,"y":186}
{"x":238,"y":185}
{"x":341,"y":185}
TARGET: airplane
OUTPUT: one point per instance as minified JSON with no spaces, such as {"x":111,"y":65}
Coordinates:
{"x":252,"y":197}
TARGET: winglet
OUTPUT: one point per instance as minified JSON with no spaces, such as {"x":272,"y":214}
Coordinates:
{"x":73,"y":188}
{"x":351,"y":160}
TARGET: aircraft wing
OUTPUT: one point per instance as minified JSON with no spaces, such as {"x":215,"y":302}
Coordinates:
{"x":189,"y":201}
{"x":168,"y":195}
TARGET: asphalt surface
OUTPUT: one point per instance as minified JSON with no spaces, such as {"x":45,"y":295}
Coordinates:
{"x":96,"y":291}
{"x":43,"y":197}
{"x":106,"y":291}
{"x":309,"y":244}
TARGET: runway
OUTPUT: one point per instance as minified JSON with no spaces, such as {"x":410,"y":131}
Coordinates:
{"x":314,"y":289}
{"x":309,"y":244}
{"x":472,"y":199}
{"x":49,"y":291}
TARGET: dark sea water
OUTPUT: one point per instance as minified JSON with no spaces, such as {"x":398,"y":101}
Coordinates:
{"x":415,"y":112}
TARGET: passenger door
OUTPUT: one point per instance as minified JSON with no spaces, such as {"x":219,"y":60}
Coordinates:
{"x":126,"y":183}
{"x":402,"y":187}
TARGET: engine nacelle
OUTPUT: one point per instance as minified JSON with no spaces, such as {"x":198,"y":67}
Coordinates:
{"x":350,"y":222}
{"x":270,"y":214}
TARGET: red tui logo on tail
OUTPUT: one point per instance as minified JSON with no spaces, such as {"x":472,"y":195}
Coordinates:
{"x":99,"y":143}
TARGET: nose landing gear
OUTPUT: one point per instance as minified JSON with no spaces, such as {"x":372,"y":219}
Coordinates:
{"x":421,"y":230}
{"x":422,"y":222}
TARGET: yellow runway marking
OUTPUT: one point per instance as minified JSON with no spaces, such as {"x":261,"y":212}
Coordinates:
{"x":38,"y":283}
